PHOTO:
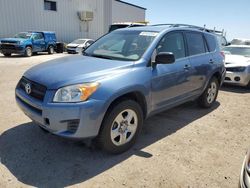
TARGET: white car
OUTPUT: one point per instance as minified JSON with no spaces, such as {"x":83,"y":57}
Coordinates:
{"x":237,"y":60}
{"x":77,"y":46}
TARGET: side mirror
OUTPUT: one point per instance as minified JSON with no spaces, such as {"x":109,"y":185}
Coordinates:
{"x":165,"y":58}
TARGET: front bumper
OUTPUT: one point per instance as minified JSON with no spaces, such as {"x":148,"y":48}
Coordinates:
{"x":75,"y":120}
{"x":11,"y":48}
{"x":237,"y":78}
{"x":244,"y":177}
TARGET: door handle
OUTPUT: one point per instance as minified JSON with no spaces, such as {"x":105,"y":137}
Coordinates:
{"x":186,"y":67}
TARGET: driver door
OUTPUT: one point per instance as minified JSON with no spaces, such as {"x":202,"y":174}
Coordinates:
{"x":170,"y":82}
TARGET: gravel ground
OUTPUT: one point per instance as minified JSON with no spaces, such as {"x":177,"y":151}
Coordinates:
{"x":182,"y":147}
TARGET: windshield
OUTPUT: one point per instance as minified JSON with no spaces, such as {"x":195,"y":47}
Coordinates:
{"x":23,"y":35}
{"x":244,"y":51}
{"x":117,"y":26}
{"x":122,"y":45}
{"x":78,"y":41}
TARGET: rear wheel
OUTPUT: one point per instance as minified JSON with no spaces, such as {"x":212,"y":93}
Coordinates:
{"x":28,"y":51}
{"x":209,"y":96}
{"x":121,"y":127}
{"x":51,"y":50}
{"x":7,"y":54}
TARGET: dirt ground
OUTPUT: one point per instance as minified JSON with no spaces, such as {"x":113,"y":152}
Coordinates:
{"x":183,"y":147}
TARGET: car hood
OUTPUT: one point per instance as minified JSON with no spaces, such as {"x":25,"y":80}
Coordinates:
{"x":72,"y":45}
{"x":12,"y":40}
{"x":75,"y":69}
{"x":236,"y":60}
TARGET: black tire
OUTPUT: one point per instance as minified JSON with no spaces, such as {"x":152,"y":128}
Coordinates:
{"x":203,"y":100}
{"x":104,"y":139}
{"x":28,"y":51}
{"x":248,"y":85}
{"x":51,"y":50}
{"x":7,"y":54}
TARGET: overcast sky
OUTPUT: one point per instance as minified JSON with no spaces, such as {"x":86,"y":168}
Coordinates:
{"x":231,"y":15}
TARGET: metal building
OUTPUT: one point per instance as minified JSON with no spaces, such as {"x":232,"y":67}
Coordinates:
{"x":70,"y":19}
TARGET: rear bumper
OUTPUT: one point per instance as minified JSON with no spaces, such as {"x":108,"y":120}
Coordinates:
{"x":76,"y":120}
{"x":237,"y":78}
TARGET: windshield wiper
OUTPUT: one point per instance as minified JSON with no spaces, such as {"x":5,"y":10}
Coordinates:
{"x":101,"y":56}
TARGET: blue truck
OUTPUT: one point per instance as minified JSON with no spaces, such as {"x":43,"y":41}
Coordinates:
{"x":28,"y":43}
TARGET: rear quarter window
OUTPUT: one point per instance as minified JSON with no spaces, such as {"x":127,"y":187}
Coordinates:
{"x":211,"y":41}
{"x":195,"y":43}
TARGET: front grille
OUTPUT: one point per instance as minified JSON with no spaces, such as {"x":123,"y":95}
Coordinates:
{"x":9,"y":42}
{"x":236,"y":69}
{"x":38,"y":91}
{"x":73,"y":125}
{"x":8,"y":46}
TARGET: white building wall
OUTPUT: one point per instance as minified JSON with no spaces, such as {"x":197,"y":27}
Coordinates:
{"x":26,"y":15}
{"x":126,"y":13}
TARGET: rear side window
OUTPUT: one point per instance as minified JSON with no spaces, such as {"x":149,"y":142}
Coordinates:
{"x":211,"y":41}
{"x":195,"y":43}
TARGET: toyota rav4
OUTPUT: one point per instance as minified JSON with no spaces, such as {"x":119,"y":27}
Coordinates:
{"x":122,"y":79}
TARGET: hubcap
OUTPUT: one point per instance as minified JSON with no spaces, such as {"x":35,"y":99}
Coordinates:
{"x":124,"y":127}
{"x":51,"y":50}
{"x":29,"y":52}
{"x":211,"y":93}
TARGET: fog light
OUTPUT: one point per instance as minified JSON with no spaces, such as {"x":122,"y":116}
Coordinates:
{"x":237,"y":78}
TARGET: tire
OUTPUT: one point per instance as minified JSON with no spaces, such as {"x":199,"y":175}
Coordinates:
{"x":209,"y":96}
{"x":248,"y":85}
{"x":118,"y":133}
{"x":7,"y":54}
{"x":51,"y":50}
{"x":28,"y":52}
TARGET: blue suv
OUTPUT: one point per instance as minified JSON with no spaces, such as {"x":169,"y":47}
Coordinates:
{"x":122,"y":79}
{"x":28,"y":43}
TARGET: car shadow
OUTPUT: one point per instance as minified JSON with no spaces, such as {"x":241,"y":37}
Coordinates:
{"x":42,"y":160}
{"x":235,"y":89}
{"x":22,"y":56}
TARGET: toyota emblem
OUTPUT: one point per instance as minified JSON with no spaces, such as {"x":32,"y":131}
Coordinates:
{"x":28,"y":88}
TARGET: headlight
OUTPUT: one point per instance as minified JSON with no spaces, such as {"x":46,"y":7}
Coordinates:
{"x":75,"y":93}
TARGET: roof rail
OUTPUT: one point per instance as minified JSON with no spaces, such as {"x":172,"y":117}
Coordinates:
{"x":193,"y":26}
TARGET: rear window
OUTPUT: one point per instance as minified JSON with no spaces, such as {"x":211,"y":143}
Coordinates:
{"x":211,"y":41}
{"x":195,"y":43}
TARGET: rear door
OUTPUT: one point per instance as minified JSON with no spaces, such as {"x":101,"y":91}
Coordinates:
{"x":170,"y":82}
{"x":200,"y":59}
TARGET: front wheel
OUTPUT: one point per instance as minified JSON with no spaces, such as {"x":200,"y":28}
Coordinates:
{"x":7,"y":54}
{"x":121,"y":127}
{"x":28,"y":51}
{"x":209,"y":96}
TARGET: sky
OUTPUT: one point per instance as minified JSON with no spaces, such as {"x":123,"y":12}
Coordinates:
{"x":231,"y":15}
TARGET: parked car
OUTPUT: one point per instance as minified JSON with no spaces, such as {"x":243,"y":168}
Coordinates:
{"x":239,"y":41}
{"x":122,"y":79}
{"x":245,"y":172}
{"x":77,"y":46}
{"x":122,"y":25}
{"x":237,"y":65}
{"x":26,"y":43}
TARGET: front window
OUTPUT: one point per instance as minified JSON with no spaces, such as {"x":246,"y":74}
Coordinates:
{"x":122,"y":45}
{"x":23,"y":35}
{"x":244,"y":51}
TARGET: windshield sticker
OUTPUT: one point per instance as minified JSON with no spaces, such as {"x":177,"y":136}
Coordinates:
{"x":150,"y":34}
